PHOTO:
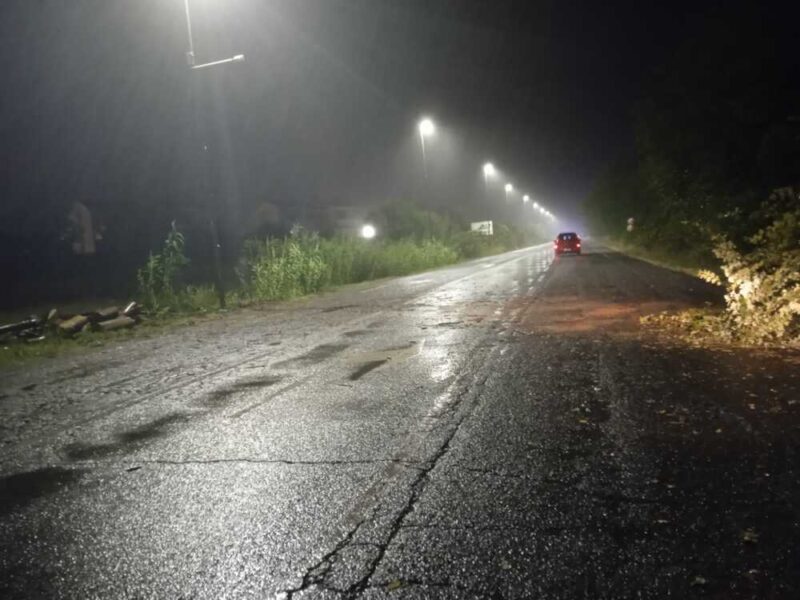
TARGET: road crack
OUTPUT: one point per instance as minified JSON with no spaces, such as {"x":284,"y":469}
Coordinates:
{"x":265,"y":461}
{"x":321,"y":575}
{"x":315,"y":575}
{"x":418,"y":487}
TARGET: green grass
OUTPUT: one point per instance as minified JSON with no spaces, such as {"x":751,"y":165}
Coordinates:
{"x":279,"y":269}
{"x":13,"y":352}
{"x":273,"y":269}
{"x":53,"y":345}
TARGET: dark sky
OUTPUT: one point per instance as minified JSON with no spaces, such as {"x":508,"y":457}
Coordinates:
{"x":97,"y":101}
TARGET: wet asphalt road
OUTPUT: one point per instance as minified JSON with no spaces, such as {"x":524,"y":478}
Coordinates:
{"x":499,"y":429}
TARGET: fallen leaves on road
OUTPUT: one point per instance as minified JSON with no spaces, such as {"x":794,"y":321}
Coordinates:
{"x":395,"y":584}
{"x":572,"y":314}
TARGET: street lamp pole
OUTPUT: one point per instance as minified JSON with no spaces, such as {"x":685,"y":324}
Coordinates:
{"x":424,"y":158}
{"x":215,"y":241}
{"x":426,"y":128}
{"x":190,"y":53}
{"x":488,"y":171}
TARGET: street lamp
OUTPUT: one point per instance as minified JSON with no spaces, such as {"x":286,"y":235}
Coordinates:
{"x":526,"y":199}
{"x":190,"y":53}
{"x":509,"y":188}
{"x":190,"y":57}
{"x":368,"y":231}
{"x":426,"y":129}
{"x":488,"y":171}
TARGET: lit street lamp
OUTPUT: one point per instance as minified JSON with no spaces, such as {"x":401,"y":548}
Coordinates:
{"x":190,"y":57}
{"x":190,"y":54}
{"x":509,"y":188}
{"x":488,"y":171}
{"x":426,"y":129}
{"x":368,"y":231}
{"x":526,"y":199}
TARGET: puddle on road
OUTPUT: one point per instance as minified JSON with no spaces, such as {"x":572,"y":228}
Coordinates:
{"x":127,"y":441}
{"x":335,"y":308}
{"x":219,"y":395}
{"x":393,"y":353}
{"x":19,"y":490}
{"x":356,"y":333}
{"x":366,"y":368}
{"x":313,"y":356}
{"x":369,"y":361}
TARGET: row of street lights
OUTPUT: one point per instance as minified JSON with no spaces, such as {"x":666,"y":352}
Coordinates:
{"x":427,"y":128}
{"x":489,"y":172}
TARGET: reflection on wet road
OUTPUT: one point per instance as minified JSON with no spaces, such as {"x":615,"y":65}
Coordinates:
{"x":490,"y":429}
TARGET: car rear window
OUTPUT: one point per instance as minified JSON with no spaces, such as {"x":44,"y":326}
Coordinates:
{"x":567,"y":236}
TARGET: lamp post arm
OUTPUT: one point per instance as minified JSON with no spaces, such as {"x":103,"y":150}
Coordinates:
{"x":190,"y":53}
{"x":237,"y":58}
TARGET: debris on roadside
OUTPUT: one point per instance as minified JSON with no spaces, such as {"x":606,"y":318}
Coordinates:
{"x":22,"y":329}
{"x":71,"y":326}
{"x":122,"y":322}
{"x":37,"y":328}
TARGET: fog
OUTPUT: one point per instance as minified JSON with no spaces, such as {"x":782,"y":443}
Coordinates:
{"x":100,"y":107}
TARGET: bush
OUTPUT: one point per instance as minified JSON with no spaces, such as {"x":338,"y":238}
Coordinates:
{"x":763,"y":284}
{"x":160,"y":284}
{"x":403,"y":220}
{"x":158,"y":279}
{"x":198,"y":298}
{"x":304,"y":263}
{"x":280,"y":269}
{"x":470,"y":244}
{"x":405,"y":256}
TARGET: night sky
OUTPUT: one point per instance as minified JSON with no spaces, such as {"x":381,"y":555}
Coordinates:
{"x":97,"y":103}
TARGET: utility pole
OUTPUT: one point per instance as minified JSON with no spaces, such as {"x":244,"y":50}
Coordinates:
{"x":203,"y":144}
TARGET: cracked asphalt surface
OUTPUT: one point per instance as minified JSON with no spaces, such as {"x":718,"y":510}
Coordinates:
{"x":500,"y":429}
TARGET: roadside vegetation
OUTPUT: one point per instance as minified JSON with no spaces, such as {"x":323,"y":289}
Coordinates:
{"x":303,"y":262}
{"x":298,"y":264}
{"x":280,"y":268}
{"x":714,"y":185}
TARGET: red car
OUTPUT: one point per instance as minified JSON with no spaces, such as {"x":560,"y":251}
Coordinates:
{"x":567,"y":242}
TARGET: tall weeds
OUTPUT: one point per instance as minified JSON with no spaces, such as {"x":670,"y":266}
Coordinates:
{"x":160,"y":282}
{"x":158,"y":279}
{"x":304,"y":263}
{"x":276,"y":269}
